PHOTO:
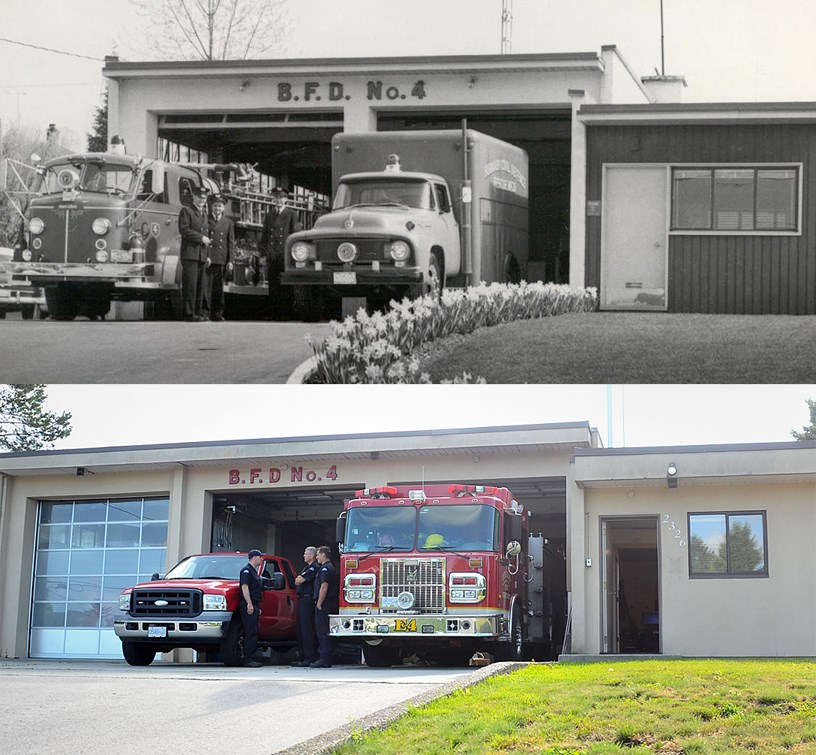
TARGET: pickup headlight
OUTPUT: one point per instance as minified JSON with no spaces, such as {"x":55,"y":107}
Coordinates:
{"x":360,"y":588}
{"x":215,"y":603}
{"x":301,"y":251}
{"x":466,"y":587}
{"x":36,"y":226}
{"x":124,"y":602}
{"x":399,"y":251}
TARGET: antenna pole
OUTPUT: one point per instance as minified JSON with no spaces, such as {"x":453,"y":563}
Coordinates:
{"x":507,"y":27}
{"x":662,"y":46}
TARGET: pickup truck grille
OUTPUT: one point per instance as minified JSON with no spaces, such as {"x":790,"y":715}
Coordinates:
{"x":424,"y":577}
{"x":370,"y":249}
{"x":179,"y":603}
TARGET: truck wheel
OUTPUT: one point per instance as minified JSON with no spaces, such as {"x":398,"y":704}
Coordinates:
{"x":307,"y":303}
{"x":435,"y":280}
{"x":512,"y":272}
{"x":380,"y":656}
{"x":232,"y":646}
{"x":138,"y":653}
{"x":2,"y":314}
{"x":514,"y":649}
{"x":63,"y":301}
{"x":27,"y":311}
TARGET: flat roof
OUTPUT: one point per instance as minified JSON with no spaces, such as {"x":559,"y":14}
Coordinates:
{"x":698,"y":112}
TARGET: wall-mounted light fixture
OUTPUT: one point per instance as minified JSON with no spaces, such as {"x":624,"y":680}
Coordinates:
{"x":82,"y":471}
{"x":671,"y":475}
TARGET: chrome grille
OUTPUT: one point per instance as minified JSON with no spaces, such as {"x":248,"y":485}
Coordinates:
{"x":178,"y":602}
{"x":424,"y":577}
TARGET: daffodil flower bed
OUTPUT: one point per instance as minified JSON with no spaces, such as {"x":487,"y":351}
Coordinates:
{"x":378,"y":348}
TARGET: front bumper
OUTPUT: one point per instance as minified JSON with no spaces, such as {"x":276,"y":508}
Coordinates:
{"x":142,"y":274}
{"x":183,"y":630}
{"x":364,"y":276}
{"x":379,"y":626}
{"x":14,"y":298}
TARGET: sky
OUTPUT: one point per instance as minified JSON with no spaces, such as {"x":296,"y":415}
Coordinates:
{"x":728,"y":50}
{"x":641,"y":415}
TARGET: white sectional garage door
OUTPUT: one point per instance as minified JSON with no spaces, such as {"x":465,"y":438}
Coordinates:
{"x":87,"y":552}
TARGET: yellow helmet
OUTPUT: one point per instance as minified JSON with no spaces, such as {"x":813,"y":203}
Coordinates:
{"x":433,"y":541}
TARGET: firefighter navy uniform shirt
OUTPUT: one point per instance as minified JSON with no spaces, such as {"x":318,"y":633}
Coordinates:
{"x":306,"y":590}
{"x":250,"y":577}
{"x":327,"y":573}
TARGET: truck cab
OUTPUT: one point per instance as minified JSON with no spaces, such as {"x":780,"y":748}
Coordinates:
{"x":390,"y":230}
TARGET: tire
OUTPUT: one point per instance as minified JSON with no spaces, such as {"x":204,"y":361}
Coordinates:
{"x":27,"y":311}
{"x":512,"y":272}
{"x":138,"y":653}
{"x":2,"y":314}
{"x":435,"y":279}
{"x":514,"y":649}
{"x":63,"y":302}
{"x":232,"y":646}
{"x":380,"y":656}
{"x":307,"y":303}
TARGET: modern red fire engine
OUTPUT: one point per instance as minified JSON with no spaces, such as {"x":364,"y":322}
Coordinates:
{"x":441,"y":572}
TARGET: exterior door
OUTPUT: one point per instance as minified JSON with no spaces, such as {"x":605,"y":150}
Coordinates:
{"x":634,"y":245}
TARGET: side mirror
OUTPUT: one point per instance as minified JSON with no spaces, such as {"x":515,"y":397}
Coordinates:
{"x":340,"y":528}
{"x":157,"y":179}
{"x":513,"y":529}
{"x":513,"y":548}
{"x":276,"y":582}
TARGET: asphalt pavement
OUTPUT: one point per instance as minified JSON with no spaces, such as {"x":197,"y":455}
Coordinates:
{"x":82,"y":351}
{"x":92,"y":707}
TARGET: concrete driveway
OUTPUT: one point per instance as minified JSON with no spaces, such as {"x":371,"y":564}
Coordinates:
{"x":153,"y":352}
{"x":106,"y":706}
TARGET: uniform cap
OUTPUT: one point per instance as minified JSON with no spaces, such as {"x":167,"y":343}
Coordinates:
{"x":201,"y":192}
{"x":254,"y":552}
{"x":218,"y":199}
{"x":279,"y":190}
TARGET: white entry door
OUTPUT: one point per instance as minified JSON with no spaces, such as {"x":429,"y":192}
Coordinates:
{"x":634,"y":241}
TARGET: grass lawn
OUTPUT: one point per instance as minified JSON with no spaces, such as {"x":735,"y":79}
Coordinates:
{"x":632,"y":347}
{"x":694,"y":706}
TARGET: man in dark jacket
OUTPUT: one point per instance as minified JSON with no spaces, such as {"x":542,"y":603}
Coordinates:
{"x":279,"y":222}
{"x":222,"y":236}
{"x":326,"y":596}
{"x":195,"y":244}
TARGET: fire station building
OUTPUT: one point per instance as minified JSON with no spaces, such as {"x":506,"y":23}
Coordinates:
{"x":660,"y":205}
{"x":691,"y":551}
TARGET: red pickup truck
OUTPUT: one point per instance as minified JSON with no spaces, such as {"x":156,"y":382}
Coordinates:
{"x":196,"y":606}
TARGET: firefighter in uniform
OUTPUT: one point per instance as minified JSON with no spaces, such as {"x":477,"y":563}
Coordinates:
{"x":307,"y":649}
{"x":250,"y":606}
{"x":279,"y":223}
{"x":194,"y":254}
{"x":326,"y":593}
{"x":222,"y":236}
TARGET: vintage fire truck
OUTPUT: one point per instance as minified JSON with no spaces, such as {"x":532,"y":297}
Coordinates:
{"x":196,"y":604}
{"x":414,"y":211}
{"x":103,"y":227}
{"x":442,"y":572}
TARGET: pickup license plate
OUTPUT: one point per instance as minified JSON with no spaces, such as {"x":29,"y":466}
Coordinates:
{"x":157,"y":631}
{"x":345,"y":279}
{"x":121,"y":255}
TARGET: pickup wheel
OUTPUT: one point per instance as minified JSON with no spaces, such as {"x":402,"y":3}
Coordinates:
{"x":380,"y":656}
{"x":435,"y":280}
{"x":138,"y":653}
{"x":232,"y":646}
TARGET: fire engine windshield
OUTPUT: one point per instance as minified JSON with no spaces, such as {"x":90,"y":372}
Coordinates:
{"x":384,"y":192}
{"x":92,"y":175}
{"x":460,"y":527}
{"x":208,"y":567}
{"x":379,"y":529}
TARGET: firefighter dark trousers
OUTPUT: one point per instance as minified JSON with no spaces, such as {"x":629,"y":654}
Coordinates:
{"x":307,"y":647}
{"x":324,"y":640}
{"x":250,"y":630}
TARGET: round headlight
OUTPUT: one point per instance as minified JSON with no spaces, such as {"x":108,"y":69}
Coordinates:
{"x":405,"y":600}
{"x":101,"y":255}
{"x":399,"y":251}
{"x":36,"y":226}
{"x":346,"y":252}
{"x":101,"y":226}
{"x":26,"y":255}
{"x":36,"y":244}
{"x":300,"y":251}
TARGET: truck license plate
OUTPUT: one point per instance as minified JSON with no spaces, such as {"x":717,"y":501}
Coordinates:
{"x":157,"y":631}
{"x":345,"y":279}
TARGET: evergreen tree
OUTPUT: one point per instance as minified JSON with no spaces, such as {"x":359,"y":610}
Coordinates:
{"x":744,"y":551}
{"x":98,"y":139}
{"x":808,"y":433}
{"x":24,"y":423}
